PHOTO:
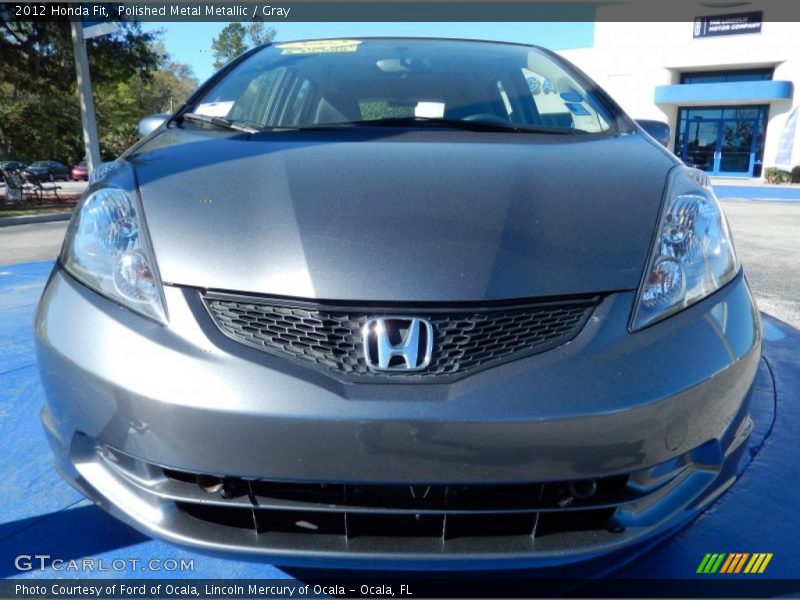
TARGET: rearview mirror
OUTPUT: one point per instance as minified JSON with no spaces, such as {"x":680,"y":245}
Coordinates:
{"x":658,"y":130}
{"x":150,"y":123}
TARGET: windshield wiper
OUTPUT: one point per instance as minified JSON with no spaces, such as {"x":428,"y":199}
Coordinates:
{"x":459,"y":124}
{"x":436,"y":122}
{"x":220,"y":122}
{"x":431,"y":122}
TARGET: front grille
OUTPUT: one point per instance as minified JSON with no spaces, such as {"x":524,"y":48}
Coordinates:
{"x":466,"y":339}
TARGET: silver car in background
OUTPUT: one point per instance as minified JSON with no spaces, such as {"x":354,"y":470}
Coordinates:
{"x":427,"y":303}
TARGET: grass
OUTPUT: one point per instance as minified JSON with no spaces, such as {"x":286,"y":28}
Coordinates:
{"x":32,"y":211}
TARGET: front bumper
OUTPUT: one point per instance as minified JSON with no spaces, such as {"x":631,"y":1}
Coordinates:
{"x":184,"y":434}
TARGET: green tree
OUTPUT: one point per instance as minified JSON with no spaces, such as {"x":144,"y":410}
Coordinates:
{"x":121,"y":105}
{"x":237,"y":38}
{"x":132,"y":76}
{"x":39,"y":108}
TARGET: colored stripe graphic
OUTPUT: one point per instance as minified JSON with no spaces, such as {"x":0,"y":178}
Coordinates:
{"x":703,"y":563}
{"x":752,"y":563}
{"x":714,"y":567}
{"x":759,"y":562}
{"x":728,"y":566}
{"x":708,"y":563}
{"x":741,"y":562}
{"x":765,"y":563}
{"x":714,"y":562}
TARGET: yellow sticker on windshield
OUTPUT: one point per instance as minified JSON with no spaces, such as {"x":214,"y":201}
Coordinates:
{"x":319,"y":46}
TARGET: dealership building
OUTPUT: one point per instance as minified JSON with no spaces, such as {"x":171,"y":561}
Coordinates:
{"x":726,"y":84}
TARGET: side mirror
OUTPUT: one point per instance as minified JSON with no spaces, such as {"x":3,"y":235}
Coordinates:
{"x":658,"y":130}
{"x":152,"y":122}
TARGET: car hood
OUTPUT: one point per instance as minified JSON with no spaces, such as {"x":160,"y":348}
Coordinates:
{"x":422,"y":216}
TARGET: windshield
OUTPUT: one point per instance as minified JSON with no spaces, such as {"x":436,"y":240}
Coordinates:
{"x":366,"y":82}
{"x":40,"y":164}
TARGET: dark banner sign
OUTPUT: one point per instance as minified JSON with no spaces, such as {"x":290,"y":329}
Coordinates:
{"x":728,"y":24}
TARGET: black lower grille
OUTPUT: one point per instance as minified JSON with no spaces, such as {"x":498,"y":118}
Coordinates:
{"x":393,"y":526}
{"x":465,"y":339}
{"x":404,"y":519}
{"x":445,"y":512}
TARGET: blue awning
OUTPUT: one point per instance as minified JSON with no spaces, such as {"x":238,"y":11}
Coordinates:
{"x":733,"y":91}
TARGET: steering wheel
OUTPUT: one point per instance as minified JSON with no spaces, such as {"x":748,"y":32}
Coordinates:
{"x":486,"y":118}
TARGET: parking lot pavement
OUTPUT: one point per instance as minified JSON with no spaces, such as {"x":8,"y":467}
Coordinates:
{"x":31,"y":242}
{"x":73,"y":187}
{"x":40,"y":514}
{"x":766,"y":237}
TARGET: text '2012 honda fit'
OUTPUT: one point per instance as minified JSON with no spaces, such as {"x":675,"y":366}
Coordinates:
{"x":420,"y":301}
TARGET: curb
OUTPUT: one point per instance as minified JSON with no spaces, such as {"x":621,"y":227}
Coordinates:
{"x":758,"y":193}
{"x":25,"y":219}
{"x":772,"y":200}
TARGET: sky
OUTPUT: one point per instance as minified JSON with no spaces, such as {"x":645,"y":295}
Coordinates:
{"x":191,"y":42}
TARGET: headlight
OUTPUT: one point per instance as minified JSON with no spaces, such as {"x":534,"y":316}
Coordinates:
{"x":692,"y":254}
{"x":107,"y":248}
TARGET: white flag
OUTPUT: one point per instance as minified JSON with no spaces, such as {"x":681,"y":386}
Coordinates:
{"x":788,"y":146}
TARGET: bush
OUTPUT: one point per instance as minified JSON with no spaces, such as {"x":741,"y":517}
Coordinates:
{"x":773,"y":175}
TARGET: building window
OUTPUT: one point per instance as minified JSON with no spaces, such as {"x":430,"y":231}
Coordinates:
{"x":727,"y":76}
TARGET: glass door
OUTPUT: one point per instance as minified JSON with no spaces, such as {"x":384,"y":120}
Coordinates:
{"x":700,"y":143}
{"x":736,"y":151}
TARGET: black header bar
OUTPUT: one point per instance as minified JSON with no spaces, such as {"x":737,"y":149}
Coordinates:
{"x":276,"y":11}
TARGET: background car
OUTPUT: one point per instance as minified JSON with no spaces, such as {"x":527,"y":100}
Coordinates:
{"x":48,"y":170}
{"x":12,"y":165}
{"x":80,"y":172}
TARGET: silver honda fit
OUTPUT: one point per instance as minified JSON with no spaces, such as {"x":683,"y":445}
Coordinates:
{"x":424,"y":302}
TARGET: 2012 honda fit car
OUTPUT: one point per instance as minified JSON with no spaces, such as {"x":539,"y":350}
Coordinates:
{"x":425,"y":302}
